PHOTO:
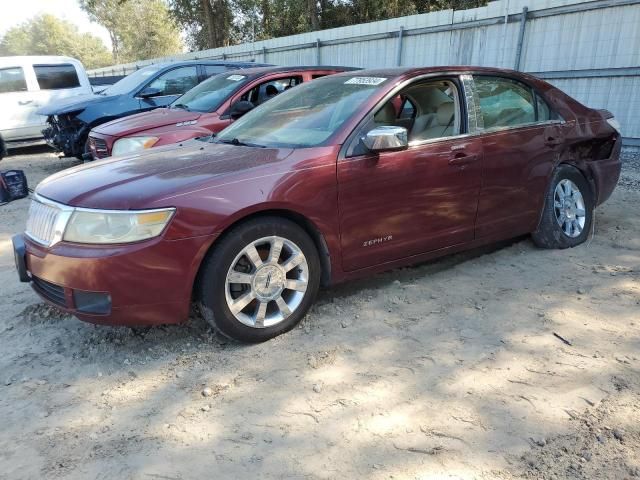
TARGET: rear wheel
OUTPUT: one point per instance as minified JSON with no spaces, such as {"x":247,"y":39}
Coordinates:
{"x":260,"y":280}
{"x":568,"y":211}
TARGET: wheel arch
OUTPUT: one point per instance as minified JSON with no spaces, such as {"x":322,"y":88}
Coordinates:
{"x":299,"y":219}
{"x":580,"y":167}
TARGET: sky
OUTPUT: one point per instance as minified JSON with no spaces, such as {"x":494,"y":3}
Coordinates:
{"x":15,"y":12}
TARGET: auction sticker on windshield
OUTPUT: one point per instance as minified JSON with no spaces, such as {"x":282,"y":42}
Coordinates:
{"x":235,"y":78}
{"x":365,"y":81}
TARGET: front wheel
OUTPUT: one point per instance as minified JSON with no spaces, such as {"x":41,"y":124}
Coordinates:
{"x":568,"y":211}
{"x":259,"y":280}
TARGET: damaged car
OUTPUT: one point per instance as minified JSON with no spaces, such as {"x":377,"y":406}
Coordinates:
{"x":203,"y":110}
{"x":337,"y":179}
{"x":70,"y":121}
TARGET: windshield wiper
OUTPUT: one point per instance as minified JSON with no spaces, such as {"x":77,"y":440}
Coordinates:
{"x":235,"y":141}
{"x":180,"y":105}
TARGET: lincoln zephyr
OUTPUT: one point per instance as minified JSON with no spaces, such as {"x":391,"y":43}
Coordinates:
{"x":335,"y":179}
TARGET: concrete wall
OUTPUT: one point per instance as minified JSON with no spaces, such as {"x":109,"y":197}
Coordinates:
{"x":589,"y":49}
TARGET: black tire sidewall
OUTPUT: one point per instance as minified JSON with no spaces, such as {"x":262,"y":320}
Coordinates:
{"x":213,"y":304}
{"x":549,"y":234}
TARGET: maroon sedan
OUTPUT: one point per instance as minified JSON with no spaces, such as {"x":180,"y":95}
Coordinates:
{"x":337,"y":179}
{"x":203,"y":110}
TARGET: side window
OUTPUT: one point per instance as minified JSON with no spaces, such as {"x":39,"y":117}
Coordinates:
{"x":505,"y":102}
{"x":428,"y":110}
{"x":210,"y":70}
{"x":176,"y":81}
{"x":407,"y":110}
{"x":267,"y":90}
{"x":12,"y":80}
{"x":544,"y":112}
{"x":56,"y":77}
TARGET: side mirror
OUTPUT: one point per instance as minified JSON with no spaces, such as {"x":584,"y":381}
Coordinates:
{"x":386,"y":138}
{"x":238,"y":109}
{"x":149,"y":92}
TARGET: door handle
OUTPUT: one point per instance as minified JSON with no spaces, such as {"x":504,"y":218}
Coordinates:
{"x":552,"y":141}
{"x":461,"y":159}
{"x":24,"y":102}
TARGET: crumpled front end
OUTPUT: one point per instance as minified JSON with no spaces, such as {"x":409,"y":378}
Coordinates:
{"x":67,"y":134}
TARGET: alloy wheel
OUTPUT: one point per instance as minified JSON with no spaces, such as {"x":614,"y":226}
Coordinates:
{"x":569,"y":208}
{"x":266,"y":282}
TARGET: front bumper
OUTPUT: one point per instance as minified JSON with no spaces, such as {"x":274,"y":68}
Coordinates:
{"x":66,"y":134}
{"x":147,"y":283}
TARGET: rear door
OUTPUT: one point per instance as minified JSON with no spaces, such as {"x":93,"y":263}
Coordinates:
{"x":393,"y":205}
{"x":521,"y":139}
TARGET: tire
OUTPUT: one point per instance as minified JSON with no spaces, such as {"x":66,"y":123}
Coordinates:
{"x":566,"y":209}
{"x":85,"y":150}
{"x":259,"y":280}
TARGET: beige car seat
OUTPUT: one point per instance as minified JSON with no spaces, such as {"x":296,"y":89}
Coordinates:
{"x":443,"y":125}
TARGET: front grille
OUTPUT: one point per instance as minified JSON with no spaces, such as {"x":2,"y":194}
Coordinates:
{"x":99,"y":147}
{"x":41,"y":223}
{"x":52,"y":292}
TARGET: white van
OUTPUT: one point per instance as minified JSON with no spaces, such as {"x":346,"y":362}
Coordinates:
{"x":29,"y":83}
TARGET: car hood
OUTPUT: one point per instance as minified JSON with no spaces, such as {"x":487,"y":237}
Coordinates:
{"x":148,"y":179}
{"x":73,"y":104}
{"x":140,"y":122}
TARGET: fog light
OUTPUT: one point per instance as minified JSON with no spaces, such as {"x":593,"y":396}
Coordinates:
{"x":98,"y":303}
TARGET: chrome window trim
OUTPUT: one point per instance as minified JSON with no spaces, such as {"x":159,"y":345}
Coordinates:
{"x":475,"y":120}
{"x":484,"y":132}
{"x":67,"y":211}
{"x":475,"y":125}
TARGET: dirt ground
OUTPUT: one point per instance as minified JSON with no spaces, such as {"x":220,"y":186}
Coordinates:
{"x":450,"y":369}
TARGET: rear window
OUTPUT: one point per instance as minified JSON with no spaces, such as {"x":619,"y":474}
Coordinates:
{"x":12,"y":80}
{"x":56,"y":77}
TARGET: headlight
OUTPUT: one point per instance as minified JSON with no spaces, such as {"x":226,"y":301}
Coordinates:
{"x":133,"y":144}
{"x":105,"y":227}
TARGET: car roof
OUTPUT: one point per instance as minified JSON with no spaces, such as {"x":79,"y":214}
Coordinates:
{"x":259,"y":71}
{"x":20,"y":60}
{"x":395,"y":72}
{"x":163,"y":65}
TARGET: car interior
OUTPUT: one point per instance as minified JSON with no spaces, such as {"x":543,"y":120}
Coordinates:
{"x":426,"y":110}
{"x":267,"y":90}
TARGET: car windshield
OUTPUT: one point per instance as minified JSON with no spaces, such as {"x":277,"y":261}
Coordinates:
{"x":304,"y":116}
{"x":131,"y":81}
{"x":211,"y":93}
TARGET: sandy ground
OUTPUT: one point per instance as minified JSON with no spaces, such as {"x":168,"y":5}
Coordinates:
{"x":447,"y":370}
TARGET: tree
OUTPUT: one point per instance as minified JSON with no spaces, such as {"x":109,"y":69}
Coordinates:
{"x":139,"y":29}
{"x":217,"y":23}
{"x":207,"y":23}
{"x":49,"y":35}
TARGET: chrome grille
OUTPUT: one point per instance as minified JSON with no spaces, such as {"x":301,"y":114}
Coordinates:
{"x":99,"y":147}
{"x":41,"y":223}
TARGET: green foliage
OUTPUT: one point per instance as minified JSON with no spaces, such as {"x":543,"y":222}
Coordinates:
{"x":207,"y":22}
{"x":49,"y":35}
{"x":139,"y":29}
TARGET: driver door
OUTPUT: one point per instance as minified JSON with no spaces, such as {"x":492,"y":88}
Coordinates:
{"x":394,"y":205}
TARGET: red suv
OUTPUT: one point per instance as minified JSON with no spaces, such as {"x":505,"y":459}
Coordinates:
{"x":339,"y":178}
{"x":203,"y":110}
